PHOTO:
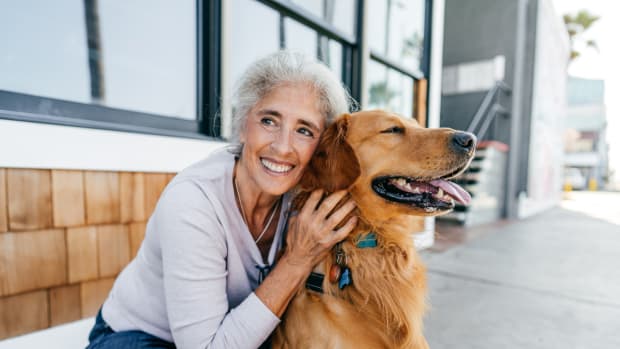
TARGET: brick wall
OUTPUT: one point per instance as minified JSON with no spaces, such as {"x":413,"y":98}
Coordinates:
{"x":64,"y":237}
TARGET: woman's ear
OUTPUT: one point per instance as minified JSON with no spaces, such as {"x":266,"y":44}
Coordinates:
{"x":334,"y":165}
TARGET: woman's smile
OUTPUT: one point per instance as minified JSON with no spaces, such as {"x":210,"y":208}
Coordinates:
{"x":276,"y":167}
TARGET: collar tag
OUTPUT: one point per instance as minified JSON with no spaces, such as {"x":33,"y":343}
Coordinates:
{"x":368,"y":241}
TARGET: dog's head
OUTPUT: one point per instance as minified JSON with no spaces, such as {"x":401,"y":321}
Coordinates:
{"x":391,"y":165}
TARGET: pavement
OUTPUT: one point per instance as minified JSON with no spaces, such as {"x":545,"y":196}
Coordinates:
{"x":547,"y":281}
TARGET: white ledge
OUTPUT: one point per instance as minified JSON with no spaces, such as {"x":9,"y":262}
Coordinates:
{"x":33,"y":145}
{"x":67,"y":336}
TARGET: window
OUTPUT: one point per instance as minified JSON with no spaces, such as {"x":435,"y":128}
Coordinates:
{"x":104,"y":64}
{"x":390,"y":90}
{"x":47,"y":55}
{"x":330,"y":51}
{"x":148,"y":56}
{"x":254,"y":34}
{"x":268,"y":26}
{"x":338,"y":13}
{"x":299,"y":37}
{"x":397,"y":31}
{"x":396,"y":36}
{"x":154,"y":66}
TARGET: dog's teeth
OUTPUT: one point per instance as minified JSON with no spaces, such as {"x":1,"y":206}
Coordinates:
{"x":430,"y":209}
{"x":416,"y":190}
{"x":440,"y":193}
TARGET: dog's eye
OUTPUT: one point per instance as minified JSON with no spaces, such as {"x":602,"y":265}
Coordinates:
{"x":394,"y":129}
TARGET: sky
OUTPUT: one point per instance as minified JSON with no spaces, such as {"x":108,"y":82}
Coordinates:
{"x":603,"y":63}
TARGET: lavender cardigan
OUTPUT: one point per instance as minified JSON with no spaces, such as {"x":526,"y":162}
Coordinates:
{"x":193,"y":278}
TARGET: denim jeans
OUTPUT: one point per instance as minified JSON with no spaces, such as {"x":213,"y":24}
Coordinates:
{"x":103,"y":337}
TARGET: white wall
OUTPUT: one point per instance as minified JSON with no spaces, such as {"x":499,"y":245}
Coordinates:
{"x":33,"y":145}
{"x":548,"y":110}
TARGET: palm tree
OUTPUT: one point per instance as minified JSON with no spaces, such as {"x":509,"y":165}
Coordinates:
{"x":576,"y":25}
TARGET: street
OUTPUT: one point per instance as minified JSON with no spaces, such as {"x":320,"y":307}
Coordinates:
{"x":548,"y":281}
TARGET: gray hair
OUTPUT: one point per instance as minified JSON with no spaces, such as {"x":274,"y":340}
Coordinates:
{"x":285,"y":67}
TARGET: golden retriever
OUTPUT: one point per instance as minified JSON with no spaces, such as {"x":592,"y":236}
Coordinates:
{"x":395,"y":170}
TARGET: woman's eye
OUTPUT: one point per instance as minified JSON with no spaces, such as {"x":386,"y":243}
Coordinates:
{"x":394,"y":129}
{"x":306,"y":132}
{"x":267,"y":121}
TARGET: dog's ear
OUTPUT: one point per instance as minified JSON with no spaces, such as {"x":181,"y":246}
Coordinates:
{"x":334,"y":165}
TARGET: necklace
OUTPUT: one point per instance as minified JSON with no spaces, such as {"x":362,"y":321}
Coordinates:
{"x":273,"y":213}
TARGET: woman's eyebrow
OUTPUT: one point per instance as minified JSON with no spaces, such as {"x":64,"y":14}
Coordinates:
{"x":270,"y":112}
{"x":310,"y":124}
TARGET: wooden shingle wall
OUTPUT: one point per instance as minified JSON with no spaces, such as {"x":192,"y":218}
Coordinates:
{"x":64,"y":237}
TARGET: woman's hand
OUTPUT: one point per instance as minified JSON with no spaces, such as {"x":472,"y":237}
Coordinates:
{"x":312,"y":233}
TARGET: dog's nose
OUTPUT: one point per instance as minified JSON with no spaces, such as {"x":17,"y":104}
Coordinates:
{"x":463,"y":141}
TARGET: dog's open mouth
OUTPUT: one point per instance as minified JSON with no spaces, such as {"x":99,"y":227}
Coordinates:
{"x":434,"y":195}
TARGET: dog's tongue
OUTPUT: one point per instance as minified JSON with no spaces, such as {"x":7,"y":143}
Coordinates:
{"x":455,"y":191}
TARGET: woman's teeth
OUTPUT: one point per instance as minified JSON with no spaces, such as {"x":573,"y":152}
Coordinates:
{"x":276,"y":167}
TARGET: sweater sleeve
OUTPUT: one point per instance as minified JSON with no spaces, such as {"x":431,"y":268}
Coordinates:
{"x":193,"y":246}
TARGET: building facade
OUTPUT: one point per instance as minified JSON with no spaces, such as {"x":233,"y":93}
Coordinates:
{"x":506,"y":62}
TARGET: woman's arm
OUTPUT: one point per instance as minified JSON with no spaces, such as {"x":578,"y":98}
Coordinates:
{"x":195,"y":269}
{"x":311,"y":235}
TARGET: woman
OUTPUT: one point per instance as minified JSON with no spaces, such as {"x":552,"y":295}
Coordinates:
{"x":205,"y":275}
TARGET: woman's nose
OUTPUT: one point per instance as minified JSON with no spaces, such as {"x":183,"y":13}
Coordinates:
{"x":282,"y":142}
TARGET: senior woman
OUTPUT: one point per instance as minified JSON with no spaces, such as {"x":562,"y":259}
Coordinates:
{"x":205,"y":275}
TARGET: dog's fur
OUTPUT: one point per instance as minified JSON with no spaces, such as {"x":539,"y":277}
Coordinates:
{"x":384,"y":306}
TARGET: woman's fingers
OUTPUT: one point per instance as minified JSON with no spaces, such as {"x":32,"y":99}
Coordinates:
{"x":330,"y":202}
{"x":312,"y":202}
{"x":313,"y":231}
{"x":341,"y":233}
{"x":340,"y":214}
{"x":330,"y":235}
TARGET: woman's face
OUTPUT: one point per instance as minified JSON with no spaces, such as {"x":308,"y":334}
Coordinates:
{"x":280,"y":135}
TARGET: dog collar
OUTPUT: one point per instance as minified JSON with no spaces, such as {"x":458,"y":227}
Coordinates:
{"x":315,"y":280}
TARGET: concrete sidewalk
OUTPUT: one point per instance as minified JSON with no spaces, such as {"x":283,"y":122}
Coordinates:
{"x":549,"y":281}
